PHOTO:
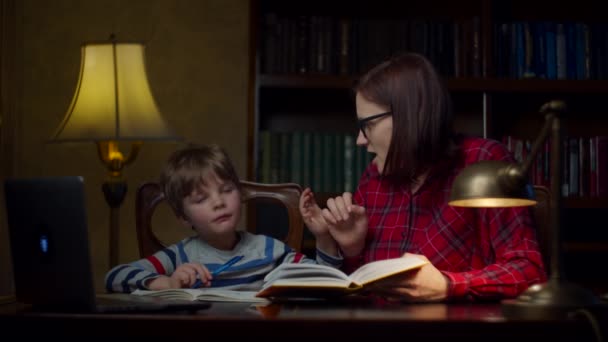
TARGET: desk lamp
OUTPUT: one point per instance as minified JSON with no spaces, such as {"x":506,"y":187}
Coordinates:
{"x":113,"y":103}
{"x":500,"y":184}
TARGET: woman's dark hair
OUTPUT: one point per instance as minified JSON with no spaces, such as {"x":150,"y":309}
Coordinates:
{"x":422,"y":136}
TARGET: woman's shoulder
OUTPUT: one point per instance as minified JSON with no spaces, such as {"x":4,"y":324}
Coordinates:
{"x":475,"y":149}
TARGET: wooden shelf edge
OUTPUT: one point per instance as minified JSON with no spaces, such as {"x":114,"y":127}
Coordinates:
{"x":306,"y":81}
{"x":492,"y":85}
{"x":585,"y":202}
{"x":599,"y":247}
{"x":7,"y":299}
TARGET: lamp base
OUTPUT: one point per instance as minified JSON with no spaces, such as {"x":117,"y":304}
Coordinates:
{"x":114,"y":192}
{"x":552,"y":300}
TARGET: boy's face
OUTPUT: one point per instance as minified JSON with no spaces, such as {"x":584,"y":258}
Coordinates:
{"x":214,"y":209}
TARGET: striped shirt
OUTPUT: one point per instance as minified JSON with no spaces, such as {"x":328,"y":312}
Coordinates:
{"x":261,"y":254}
{"x":484,"y":253}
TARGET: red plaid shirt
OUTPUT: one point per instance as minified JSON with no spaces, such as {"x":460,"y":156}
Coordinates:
{"x":485,"y":253}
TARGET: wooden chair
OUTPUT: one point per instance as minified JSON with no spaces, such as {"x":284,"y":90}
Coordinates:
{"x":542,"y":216}
{"x":149,"y":196}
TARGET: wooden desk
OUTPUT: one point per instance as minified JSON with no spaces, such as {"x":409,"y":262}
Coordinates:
{"x":308,"y":321}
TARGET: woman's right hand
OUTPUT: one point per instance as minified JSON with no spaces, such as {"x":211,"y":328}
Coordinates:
{"x":342,"y":222}
{"x":347,"y":223}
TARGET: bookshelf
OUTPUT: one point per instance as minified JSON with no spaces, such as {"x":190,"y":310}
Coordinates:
{"x":502,"y":61}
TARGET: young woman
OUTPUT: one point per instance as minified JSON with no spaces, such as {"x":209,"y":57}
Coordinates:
{"x":401,"y":203}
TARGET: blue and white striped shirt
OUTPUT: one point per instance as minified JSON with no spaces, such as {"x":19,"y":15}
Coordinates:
{"x":261,"y":254}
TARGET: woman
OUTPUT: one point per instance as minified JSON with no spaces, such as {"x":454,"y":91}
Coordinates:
{"x":400,"y":205}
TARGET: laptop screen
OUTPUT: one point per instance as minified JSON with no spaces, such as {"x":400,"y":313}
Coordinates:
{"x":47,"y":223}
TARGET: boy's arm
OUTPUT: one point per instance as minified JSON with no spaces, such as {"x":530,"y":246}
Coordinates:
{"x":138,"y":275}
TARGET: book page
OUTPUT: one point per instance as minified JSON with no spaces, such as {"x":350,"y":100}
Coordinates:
{"x":379,"y":269}
{"x":300,"y":271}
{"x":182,"y":294}
{"x":223,"y":295}
{"x":309,"y":282}
{"x":203,"y":294}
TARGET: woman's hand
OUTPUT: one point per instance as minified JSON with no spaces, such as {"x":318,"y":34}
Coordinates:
{"x":342,"y":222}
{"x":312,"y":214}
{"x":314,"y":220}
{"x":426,"y":284}
{"x":347,"y":223}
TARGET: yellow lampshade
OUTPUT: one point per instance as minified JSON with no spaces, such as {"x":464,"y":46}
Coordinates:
{"x":113,"y":103}
{"x":112,"y":100}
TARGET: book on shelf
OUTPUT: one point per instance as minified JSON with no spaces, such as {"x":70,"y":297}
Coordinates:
{"x":293,"y":280}
{"x":203,"y":294}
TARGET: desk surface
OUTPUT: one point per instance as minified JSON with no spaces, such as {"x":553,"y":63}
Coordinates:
{"x":311,"y":320}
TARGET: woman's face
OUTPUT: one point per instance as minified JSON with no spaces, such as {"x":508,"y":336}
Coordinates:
{"x":375,"y":134}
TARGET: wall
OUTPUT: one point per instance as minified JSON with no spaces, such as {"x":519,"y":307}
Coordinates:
{"x":197,"y":62}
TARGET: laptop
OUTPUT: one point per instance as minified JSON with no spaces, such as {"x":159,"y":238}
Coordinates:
{"x":48,"y":233}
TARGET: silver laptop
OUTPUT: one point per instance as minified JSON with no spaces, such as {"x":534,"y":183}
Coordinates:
{"x":49,"y":243}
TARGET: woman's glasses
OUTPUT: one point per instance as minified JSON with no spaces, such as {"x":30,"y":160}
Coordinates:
{"x":363,"y":124}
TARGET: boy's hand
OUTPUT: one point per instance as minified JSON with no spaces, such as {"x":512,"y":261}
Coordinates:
{"x":184,"y":276}
{"x":187,"y":274}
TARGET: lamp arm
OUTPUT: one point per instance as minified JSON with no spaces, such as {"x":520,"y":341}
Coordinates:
{"x":539,"y":142}
{"x":552,"y":111}
{"x":515,"y":176}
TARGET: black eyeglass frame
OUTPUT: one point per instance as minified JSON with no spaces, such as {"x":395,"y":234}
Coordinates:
{"x":362,"y":123}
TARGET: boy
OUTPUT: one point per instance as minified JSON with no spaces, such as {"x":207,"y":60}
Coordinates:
{"x":202,"y":187}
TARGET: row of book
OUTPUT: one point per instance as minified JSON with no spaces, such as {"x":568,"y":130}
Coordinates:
{"x":331,"y":162}
{"x":551,"y":50}
{"x":584,"y":164}
{"x":323,"y":161}
{"x":309,"y":44}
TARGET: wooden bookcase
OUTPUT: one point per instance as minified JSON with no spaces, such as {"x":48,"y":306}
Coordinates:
{"x":495,"y":57}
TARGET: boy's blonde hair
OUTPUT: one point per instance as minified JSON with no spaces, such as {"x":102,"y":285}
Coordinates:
{"x":189,"y":168}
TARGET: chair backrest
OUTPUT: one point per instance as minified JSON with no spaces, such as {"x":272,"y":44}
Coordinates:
{"x":149,"y":196}
{"x":542,"y":216}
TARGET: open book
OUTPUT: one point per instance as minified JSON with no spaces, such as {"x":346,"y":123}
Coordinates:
{"x":203,"y":294}
{"x":319,"y":281}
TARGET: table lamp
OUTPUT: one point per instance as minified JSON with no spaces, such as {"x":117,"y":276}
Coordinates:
{"x":113,"y":103}
{"x":501,"y":184}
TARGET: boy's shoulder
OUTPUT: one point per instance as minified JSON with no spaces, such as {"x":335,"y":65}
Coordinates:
{"x":259,"y":240}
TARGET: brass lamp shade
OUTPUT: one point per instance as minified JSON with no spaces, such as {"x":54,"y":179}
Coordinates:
{"x":491,"y":184}
{"x":112,"y":100}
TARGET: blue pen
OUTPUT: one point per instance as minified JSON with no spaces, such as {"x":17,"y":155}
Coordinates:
{"x":219,"y":270}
